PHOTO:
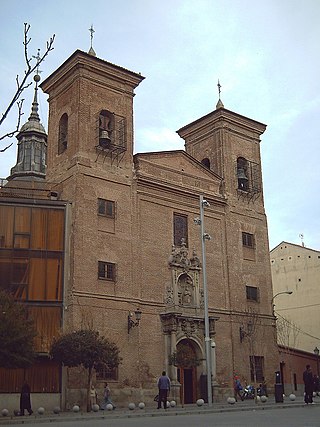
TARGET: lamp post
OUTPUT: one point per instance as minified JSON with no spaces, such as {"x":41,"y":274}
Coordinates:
{"x":204,"y":237}
{"x":274,"y":296}
{"x":316,"y":352}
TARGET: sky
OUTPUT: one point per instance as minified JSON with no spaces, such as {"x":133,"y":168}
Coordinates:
{"x":266,"y":55}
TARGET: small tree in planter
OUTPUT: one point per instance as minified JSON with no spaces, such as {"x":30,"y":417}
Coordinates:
{"x":85,"y":348}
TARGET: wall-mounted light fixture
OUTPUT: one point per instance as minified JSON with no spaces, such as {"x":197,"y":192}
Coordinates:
{"x":132,"y":323}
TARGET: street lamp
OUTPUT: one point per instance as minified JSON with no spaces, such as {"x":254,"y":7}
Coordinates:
{"x":205,"y":236}
{"x":274,"y":296}
{"x":316,"y":352}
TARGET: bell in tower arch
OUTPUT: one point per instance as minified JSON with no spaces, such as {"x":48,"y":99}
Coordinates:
{"x":243,"y":182}
{"x":242,"y":174}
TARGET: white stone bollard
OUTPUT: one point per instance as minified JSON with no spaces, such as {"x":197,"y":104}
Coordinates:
{"x":200,"y":402}
{"x":41,"y":410}
{"x":131,"y":406}
{"x":76,"y":408}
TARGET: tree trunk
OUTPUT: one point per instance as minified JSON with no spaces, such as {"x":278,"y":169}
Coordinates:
{"x":90,"y":372}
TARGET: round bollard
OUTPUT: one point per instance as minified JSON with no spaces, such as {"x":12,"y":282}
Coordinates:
{"x":56,"y":410}
{"x":263,"y":399}
{"x":131,"y":406}
{"x":109,"y":407}
{"x":76,"y":408}
{"x":95,"y":407}
{"x":141,"y":405}
{"x":16,"y":412}
{"x":5,"y":412}
{"x":292,"y":397}
{"x":173,"y":403}
{"x":200,"y":402}
{"x":41,"y":410}
{"x":231,"y":400}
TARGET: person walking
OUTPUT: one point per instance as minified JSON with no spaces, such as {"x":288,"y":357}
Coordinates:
{"x":25,"y":401}
{"x":164,"y":385}
{"x":238,"y":389}
{"x":107,"y":397}
{"x":308,"y":385}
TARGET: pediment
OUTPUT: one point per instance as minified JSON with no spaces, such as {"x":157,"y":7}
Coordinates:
{"x":177,"y":168}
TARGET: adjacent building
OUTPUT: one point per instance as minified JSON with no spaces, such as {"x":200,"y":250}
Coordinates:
{"x":296,"y":268}
{"x":111,"y":241}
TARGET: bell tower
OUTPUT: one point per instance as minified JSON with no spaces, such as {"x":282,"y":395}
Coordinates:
{"x":90,"y":116}
{"x":228,"y":144}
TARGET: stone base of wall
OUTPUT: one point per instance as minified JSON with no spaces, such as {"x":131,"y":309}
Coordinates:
{"x":48,"y":401}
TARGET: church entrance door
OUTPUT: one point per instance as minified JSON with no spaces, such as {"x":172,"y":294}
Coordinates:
{"x":187,"y":371}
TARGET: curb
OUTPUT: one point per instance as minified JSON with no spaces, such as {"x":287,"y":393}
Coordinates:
{"x":138,"y":413}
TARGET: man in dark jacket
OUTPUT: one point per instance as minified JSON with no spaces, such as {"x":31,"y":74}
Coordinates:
{"x":308,"y":385}
{"x":164,"y":388}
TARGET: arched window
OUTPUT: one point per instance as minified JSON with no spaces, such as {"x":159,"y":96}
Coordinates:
{"x":63,"y":133}
{"x":206,"y":162}
{"x":106,"y":128}
{"x":242,"y":174}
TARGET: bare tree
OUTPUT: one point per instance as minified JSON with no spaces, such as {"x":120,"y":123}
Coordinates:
{"x":287,"y":334}
{"x":31,"y":64}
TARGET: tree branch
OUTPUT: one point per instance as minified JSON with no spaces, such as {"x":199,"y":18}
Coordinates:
{"x":21,"y":86}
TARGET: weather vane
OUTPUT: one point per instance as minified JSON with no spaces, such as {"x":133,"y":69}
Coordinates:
{"x":91,"y":33}
{"x":37,"y":71}
{"x":219,"y":88}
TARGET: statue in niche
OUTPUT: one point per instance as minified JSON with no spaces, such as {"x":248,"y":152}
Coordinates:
{"x":186,"y":286}
{"x":187,"y":296}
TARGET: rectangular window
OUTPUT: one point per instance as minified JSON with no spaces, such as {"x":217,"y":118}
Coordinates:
{"x":180,"y":229}
{"x":256,"y":368}
{"x":248,"y":240}
{"x":106,"y":271}
{"x":105,"y":373}
{"x":106,"y":208}
{"x":252,"y":293}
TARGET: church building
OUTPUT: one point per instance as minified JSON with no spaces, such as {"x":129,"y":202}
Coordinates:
{"x":95,"y":236}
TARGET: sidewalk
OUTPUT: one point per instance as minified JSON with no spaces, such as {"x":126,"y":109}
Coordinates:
{"x":248,"y":405}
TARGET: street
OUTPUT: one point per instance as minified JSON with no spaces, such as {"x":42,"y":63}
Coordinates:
{"x":308,"y":416}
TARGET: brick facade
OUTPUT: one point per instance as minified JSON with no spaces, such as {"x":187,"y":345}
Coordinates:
{"x":147,"y":190}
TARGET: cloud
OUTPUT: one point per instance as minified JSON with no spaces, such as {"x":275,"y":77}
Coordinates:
{"x":157,"y":139}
